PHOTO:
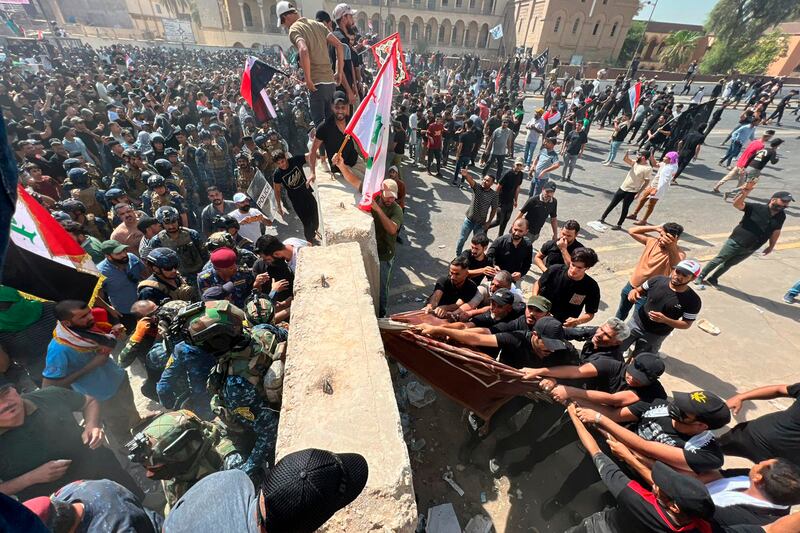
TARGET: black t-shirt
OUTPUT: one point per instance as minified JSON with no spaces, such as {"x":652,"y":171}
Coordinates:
{"x":518,"y":324}
{"x":451,"y":294}
{"x":620,"y":134}
{"x":278,"y":270}
{"x":611,"y":378}
{"x":701,"y":451}
{"x":552,"y":253}
{"x":658,"y":136}
{"x":332,"y":137}
{"x":516,"y":350}
{"x":536,"y":212}
{"x":467,"y":140}
{"x":575,"y":139}
{"x":486,"y":320}
{"x":742,"y":513}
{"x":293,"y":177}
{"x":399,"y":142}
{"x":568,"y":296}
{"x":691,"y":141}
{"x":773,"y":435}
{"x":403,"y":119}
{"x":348,"y":55}
{"x":757,"y":225}
{"x":475,"y":264}
{"x":760,"y":159}
{"x":509,"y":182}
{"x":675,"y":305}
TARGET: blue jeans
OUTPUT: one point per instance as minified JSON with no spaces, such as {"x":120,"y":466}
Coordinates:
{"x":612,"y":154}
{"x":467,"y":228}
{"x":794,"y":292}
{"x":386,"y":275}
{"x":733,"y":151}
{"x":530,"y":150}
{"x":461,"y":162}
{"x":536,"y":184}
{"x":625,"y":305}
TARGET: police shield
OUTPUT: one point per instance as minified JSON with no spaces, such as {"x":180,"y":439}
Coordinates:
{"x":260,"y":191}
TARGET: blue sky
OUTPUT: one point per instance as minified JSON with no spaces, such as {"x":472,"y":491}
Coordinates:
{"x":683,"y":11}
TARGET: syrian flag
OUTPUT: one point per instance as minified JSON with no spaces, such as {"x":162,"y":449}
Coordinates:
{"x":497,"y":80}
{"x":255,"y":78}
{"x":44,"y":260}
{"x":284,"y":61}
{"x":369,"y":128}
{"x":634,"y":94}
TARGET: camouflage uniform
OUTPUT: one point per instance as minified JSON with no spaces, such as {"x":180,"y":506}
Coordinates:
{"x":189,"y":248}
{"x":129,"y":179}
{"x":183,"y":382}
{"x":243,"y":180}
{"x":96,"y":227}
{"x":151,"y":201}
{"x":242,"y":284}
{"x":92,"y":197}
{"x":157,"y":290}
{"x":214,"y":168}
{"x":215,"y":451}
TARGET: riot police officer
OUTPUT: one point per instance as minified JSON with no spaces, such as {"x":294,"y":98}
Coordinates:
{"x":80,"y":187}
{"x":231,"y":226}
{"x":128,"y":177}
{"x":186,"y":242}
{"x":159,"y":196}
{"x":94,"y":226}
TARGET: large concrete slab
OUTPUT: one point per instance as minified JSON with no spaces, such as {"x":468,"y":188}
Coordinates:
{"x":334,"y":344}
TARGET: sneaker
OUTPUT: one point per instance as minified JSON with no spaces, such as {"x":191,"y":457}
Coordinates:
{"x":788,"y":298}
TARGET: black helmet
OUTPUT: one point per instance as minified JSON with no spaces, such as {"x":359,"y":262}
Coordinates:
{"x":131,"y":153}
{"x":71,"y":163}
{"x":220,"y":239}
{"x":190,"y":128}
{"x":260,"y":139}
{"x":155,"y":181}
{"x":224,"y":223}
{"x":72,"y":206}
{"x":78,"y":176}
{"x":168,"y":152}
{"x":243,"y":155}
{"x":167,"y":214}
{"x":163,"y":257}
{"x":156,"y":138}
{"x":114,"y":193}
{"x":163,"y":166}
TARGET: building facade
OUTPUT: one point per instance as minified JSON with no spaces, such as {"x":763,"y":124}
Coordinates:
{"x":654,"y":42}
{"x":573,"y":30}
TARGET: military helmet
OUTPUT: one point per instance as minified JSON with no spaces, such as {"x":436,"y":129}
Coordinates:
{"x":73,"y":206}
{"x":78,"y":176}
{"x":215,"y":326}
{"x":131,"y":153}
{"x":167,"y":152}
{"x":163,"y":258}
{"x":155,"y":181}
{"x":204,"y":134}
{"x":163,"y":166}
{"x":167,"y":214}
{"x":168,"y":445}
{"x":156,"y":138}
{"x":220,"y":239}
{"x":243,"y":155}
{"x":71,"y":163}
{"x":224,"y":222}
{"x":259,"y":310}
{"x":114,"y":193}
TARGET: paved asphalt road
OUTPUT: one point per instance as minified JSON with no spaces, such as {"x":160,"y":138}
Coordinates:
{"x":435,"y":210}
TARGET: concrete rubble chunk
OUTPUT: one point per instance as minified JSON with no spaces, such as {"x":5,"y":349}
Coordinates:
{"x":334,"y":344}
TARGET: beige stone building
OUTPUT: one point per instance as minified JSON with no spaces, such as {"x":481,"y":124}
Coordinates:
{"x":656,"y":34}
{"x":574,"y":30}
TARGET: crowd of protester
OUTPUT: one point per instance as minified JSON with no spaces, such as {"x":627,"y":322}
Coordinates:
{"x":148,"y":157}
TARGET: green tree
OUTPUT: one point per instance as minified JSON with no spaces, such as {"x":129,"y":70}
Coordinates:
{"x":738,"y":25}
{"x":767,"y":49}
{"x":631,"y":41}
{"x":678,"y":48}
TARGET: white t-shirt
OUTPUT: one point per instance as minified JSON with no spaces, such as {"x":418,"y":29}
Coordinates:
{"x":249,"y":223}
{"x":296,"y":244}
{"x":533,"y":135}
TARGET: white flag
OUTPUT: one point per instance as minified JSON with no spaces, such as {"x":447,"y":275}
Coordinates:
{"x":497,"y":32}
{"x":369,"y":128}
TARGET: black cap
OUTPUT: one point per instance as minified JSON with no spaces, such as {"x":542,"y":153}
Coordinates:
{"x":688,"y":493}
{"x":503,"y":296}
{"x":549,"y":185}
{"x":784,"y":196}
{"x":646,"y":368}
{"x":706,"y":406}
{"x":322,"y":16}
{"x":307,"y":487}
{"x":339,"y":95}
{"x":551,"y":331}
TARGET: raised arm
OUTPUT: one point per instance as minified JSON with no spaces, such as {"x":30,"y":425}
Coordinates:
{"x":767,"y":392}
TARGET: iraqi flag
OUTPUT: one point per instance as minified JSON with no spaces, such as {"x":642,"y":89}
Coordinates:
{"x":255,"y":78}
{"x":634,"y":94}
{"x":128,"y":62}
{"x":497,"y":80}
{"x":369,"y":128}
{"x":44,"y":260}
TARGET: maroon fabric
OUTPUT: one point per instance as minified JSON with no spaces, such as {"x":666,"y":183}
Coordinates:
{"x":470,"y":378}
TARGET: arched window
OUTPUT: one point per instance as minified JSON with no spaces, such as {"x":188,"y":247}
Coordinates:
{"x":596,"y":27}
{"x":557,"y":25}
{"x":614,"y":29}
{"x":401,"y":29}
{"x":575,"y":25}
{"x":248,"y":16}
{"x":414,"y":31}
{"x":441,"y":34}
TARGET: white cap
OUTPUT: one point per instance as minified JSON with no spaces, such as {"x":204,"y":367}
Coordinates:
{"x":341,"y":10}
{"x":239,"y":197}
{"x":689,"y":265}
{"x":283,"y":7}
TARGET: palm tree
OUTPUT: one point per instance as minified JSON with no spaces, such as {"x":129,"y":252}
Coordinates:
{"x":679,"y":47}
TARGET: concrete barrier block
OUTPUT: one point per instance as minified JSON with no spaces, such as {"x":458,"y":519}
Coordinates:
{"x":337,"y":390}
{"x":343,"y":221}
